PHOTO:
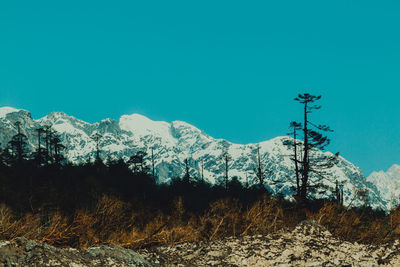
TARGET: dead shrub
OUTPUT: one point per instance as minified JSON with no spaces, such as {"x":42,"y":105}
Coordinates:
{"x":58,"y":231}
{"x":176,"y":235}
{"x":110,"y":211}
{"x":222,"y":219}
{"x":6,"y":219}
{"x":28,"y":226}
{"x":83,"y":229}
{"x":263,"y":217}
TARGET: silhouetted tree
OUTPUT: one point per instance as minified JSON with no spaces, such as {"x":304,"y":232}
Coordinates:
{"x":152,"y":165}
{"x":313,"y":140}
{"x":295,"y":157}
{"x":226,"y":158}
{"x":138,"y":162}
{"x":259,"y":171}
{"x":202,"y":170}
{"x":96,"y":137}
{"x":2,"y":158}
{"x":48,"y":135}
{"x":187,"y":174}
{"x":39,"y":155}
{"x":58,"y":147}
{"x":18,"y":146}
{"x":339,"y":193}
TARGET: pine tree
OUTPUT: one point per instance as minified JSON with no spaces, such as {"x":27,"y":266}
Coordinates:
{"x":97,"y":137}
{"x":18,"y":146}
{"x":187,"y":174}
{"x":58,"y":147}
{"x":138,"y":162}
{"x":313,"y":140}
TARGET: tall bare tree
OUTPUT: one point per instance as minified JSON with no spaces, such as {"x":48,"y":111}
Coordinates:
{"x":152,"y":164}
{"x":39,"y":153}
{"x":226,"y":158}
{"x":202,"y":170}
{"x":296,"y":146}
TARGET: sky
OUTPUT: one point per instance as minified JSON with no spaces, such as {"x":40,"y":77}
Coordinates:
{"x":231,"y":68}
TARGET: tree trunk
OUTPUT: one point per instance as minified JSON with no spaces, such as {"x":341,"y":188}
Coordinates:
{"x":305,"y":171}
{"x":226,"y":172}
{"x":296,"y":165}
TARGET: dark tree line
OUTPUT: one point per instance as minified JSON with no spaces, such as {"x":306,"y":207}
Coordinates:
{"x":34,"y":181}
{"x":17,"y":151}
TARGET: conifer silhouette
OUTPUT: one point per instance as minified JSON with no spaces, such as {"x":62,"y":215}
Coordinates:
{"x":313,"y":140}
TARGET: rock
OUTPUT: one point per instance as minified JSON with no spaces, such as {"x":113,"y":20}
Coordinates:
{"x":118,"y":253}
{"x":23,"y":252}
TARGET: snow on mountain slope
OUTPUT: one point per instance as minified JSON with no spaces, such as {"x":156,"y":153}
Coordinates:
{"x":388,"y":185}
{"x":174,"y":142}
{"x":5,"y":110}
{"x":143,"y":126}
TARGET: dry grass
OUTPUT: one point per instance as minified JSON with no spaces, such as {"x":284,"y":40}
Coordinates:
{"x":113,"y":221}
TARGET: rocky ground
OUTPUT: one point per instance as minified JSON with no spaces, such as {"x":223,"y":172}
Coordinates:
{"x":309,"y":244}
{"x":23,"y":252}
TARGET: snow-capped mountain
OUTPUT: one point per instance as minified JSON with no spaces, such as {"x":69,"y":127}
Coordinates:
{"x":174,"y":142}
{"x":388,"y":185}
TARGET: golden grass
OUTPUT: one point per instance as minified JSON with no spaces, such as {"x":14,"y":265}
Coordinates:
{"x":113,"y":221}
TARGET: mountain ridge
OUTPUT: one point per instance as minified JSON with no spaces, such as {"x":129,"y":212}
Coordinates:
{"x":176,"y":141}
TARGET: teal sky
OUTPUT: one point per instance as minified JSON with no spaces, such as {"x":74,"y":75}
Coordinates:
{"x":231,"y":68}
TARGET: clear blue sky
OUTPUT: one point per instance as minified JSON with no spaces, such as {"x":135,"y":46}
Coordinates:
{"x":230,"y":68}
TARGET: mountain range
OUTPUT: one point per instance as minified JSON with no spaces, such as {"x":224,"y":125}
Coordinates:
{"x":174,"y":142}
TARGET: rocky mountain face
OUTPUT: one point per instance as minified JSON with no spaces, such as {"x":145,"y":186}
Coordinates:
{"x":308,"y":244}
{"x":174,"y":142}
{"x":388,"y":185}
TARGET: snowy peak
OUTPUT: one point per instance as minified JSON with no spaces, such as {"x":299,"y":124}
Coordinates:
{"x":141,"y":125}
{"x":394,"y":171}
{"x":61,"y":117}
{"x":63,"y":123}
{"x":391,"y":177}
{"x":388,"y":185}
